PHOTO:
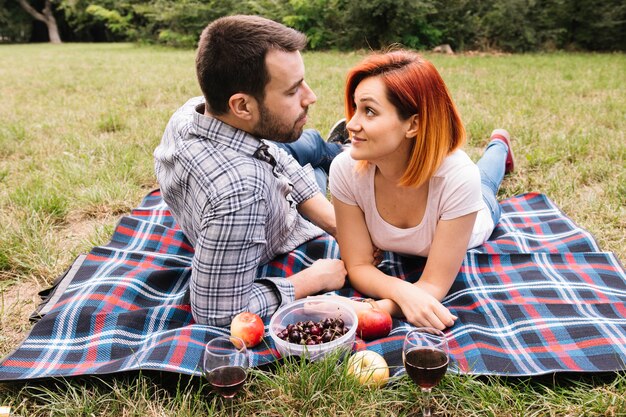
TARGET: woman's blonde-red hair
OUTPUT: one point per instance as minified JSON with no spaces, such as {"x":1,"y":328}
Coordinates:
{"x":414,"y":87}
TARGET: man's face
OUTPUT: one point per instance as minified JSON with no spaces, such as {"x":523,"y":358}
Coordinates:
{"x":283,"y":112}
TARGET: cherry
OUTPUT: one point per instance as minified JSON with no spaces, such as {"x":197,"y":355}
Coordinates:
{"x":295,"y":337}
{"x":312,"y":333}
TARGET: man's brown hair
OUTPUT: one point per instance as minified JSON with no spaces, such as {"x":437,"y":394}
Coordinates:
{"x":231,"y":57}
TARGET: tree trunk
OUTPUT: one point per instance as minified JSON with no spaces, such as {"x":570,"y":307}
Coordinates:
{"x":45,"y":16}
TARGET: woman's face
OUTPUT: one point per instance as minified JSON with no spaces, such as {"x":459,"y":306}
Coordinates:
{"x":377,"y":131}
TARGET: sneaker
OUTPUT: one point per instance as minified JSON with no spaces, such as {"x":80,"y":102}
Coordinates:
{"x":339,"y":134}
{"x":504,"y":136}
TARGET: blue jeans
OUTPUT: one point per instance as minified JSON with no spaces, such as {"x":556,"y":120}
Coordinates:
{"x":491,"y":166}
{"x":311,"y":148}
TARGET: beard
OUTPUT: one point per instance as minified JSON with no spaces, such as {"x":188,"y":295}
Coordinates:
{"x":271,"y":127}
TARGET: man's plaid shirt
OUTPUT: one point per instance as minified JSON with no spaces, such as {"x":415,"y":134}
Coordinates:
{"x":236,"y":210}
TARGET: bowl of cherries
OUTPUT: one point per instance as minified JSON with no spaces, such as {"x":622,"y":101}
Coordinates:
{"x":313,"y":327}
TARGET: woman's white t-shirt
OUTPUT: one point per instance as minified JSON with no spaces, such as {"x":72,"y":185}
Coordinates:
{"x":454,"y":191}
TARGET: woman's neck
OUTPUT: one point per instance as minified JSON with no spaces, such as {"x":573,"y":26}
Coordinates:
{"x":392,"y":167}
{"x":389,"y":172}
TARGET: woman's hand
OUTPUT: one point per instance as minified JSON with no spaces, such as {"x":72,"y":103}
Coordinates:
{"x":422,"y":309}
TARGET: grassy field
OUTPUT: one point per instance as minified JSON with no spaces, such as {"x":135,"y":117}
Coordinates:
{"x":78,"y":124}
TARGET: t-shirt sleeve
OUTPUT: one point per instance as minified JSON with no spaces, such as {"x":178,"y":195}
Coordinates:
{"x":462,"y":192}
{"x":341,"y":179}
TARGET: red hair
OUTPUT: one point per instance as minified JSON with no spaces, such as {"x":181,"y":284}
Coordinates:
{"x":414,"y":87}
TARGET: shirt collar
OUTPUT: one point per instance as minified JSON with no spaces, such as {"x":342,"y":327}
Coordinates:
{"x":223,"y":134}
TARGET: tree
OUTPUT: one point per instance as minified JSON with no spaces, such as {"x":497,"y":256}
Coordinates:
{"x":379,"y":23}
{"x":46,"y":16}
{"x":15,"y":23}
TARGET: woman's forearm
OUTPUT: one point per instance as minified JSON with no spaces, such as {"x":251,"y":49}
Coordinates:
{"x":371,"y":282}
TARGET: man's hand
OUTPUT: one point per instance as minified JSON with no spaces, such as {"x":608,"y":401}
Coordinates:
{"x":331,"y":273}
{"x":322,"y":275}
{"x":378,"y":256}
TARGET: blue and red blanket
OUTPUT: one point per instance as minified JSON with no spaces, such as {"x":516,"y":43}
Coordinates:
{"x":539,"y":297}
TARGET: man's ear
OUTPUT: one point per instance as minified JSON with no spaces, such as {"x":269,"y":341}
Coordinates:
{"x":413,"y":126}
{"x":243,"y":106}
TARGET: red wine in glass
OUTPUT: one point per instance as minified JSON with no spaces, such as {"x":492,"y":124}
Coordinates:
{"x":225,"y":365}
{"x":426,"y":366}
{"x":227,"y":380}
{"x":425,"y":355}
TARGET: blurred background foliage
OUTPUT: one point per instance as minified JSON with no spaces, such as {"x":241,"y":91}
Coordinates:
{"x":504,"y":25}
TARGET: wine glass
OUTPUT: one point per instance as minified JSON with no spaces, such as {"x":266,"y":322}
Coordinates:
{"x":425,"y":356}
{"x":225,"y":364}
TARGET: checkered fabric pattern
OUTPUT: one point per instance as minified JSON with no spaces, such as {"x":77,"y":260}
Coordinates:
{"x":539,"y":297}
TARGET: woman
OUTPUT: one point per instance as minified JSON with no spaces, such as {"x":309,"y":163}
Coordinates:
{"x":406,"y":187}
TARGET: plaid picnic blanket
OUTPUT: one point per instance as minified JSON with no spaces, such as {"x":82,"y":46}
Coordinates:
{"x":539,"y":297}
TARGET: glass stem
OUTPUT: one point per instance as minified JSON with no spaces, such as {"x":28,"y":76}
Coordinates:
{"x":426,"y":405}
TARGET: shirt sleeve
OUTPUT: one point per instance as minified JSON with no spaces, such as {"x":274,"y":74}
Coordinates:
{"x":302,"y":178}
{"x":227,"y":253}
{"x":341,"y":179}
{"x":462,"y":193}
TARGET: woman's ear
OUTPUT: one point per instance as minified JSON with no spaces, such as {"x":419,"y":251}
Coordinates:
{"x":413,"y":126}
{"x":242,"y":106}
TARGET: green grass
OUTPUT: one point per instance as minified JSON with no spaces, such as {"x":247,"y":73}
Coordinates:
{"x":79,"y":123}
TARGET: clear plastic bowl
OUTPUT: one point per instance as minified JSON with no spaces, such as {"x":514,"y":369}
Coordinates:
{"x":316,"y":309}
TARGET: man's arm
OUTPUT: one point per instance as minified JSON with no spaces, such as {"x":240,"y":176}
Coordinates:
{"x":224,"y":271}
{"x":225,"y":262}
{"x":311,"y":203}
{"x":319,"y":211}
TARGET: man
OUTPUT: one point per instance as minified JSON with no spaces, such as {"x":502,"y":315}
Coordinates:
{"x":239,"y":199}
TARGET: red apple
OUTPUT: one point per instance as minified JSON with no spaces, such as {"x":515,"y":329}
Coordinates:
{"x":374,"y":323}
{"x":248,"y":327}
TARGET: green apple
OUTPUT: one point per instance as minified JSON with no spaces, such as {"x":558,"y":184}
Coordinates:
{"x":369,"y":368}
